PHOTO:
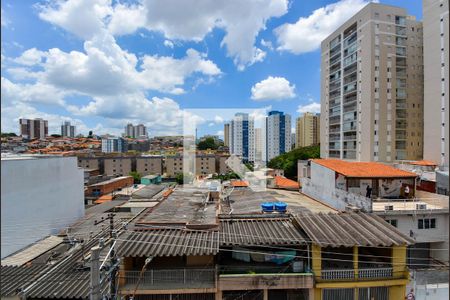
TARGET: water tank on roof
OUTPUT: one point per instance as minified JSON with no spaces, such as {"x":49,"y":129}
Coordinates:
{"x":267,"y":207}
{"x":280,"y":207}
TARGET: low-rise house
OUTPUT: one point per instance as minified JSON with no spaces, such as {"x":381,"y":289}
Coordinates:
{"x":205,"y":164}
{"x":109,"y":186}
{"x":343,"y":184}
{"x":151,"y":179}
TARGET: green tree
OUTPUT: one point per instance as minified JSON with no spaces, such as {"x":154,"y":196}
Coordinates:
{"x":55,"y":135}
{"x":184,"y":178}
{"x":288,"y":161}
{"x":136,"y":177}
{"x":10,"y":134}
{"x":208,"y":143}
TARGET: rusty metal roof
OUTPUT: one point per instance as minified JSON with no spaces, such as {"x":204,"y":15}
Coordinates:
{"x":168,"y":242}
{"x":350,"y":229}
{"x":259,"y":231}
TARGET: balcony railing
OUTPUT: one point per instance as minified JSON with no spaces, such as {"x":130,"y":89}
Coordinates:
{"x":171,"y":278}
{"x":347,"y":274}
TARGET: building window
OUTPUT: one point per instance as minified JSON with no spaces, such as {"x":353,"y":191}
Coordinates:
{"x":392,"y":222}
{"x":427,"y":223}
{"x":353,"y":183}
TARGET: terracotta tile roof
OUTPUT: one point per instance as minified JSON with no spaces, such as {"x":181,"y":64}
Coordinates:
{"x":239,"y":183}
{"x":423,"y":163}
{"x":283,"y":182}
{"x":363,"y":169}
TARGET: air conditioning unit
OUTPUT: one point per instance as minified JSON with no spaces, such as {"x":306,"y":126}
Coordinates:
{"x":421,"y":206}
{"x":389,"y":207}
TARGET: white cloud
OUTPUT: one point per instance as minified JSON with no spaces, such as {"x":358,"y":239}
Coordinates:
{"x":188,"y":20}
{"x":30,"y":57}
{"x":168,"y":44}
{"x":218,"y":119}
{"x":267,"y":44}
{"x":308,"y":32}
{"x":313,"y":107}
{"x":4,"y":20}
{"x":219,"y":133}
{"x":273,"y":88}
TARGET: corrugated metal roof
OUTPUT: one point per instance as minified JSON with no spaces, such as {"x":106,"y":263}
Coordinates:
{"x":267,"y":231}
{"x":32,"y":251}
{"x":350,"y":229}
{"x":168,"y":242}
{"x":15,"y":278}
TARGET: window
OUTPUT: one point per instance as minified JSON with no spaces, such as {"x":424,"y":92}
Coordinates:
{"x":427,"y":223}
{"x":352,"y":183}
{"x":392,"y":222}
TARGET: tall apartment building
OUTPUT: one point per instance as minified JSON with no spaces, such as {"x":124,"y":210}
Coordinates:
{"x":226,"y":135}
{"x":135,"y":131}
{"x":436,"y":81}
{"x":308,"y":130}
{"x":242,"y":137}
{"x":67,"y":130}
{"x":258,"y":144}
{"x":117,"y":166}
{"x":277,"y":134}
{"x":33,"y":129}
{"x":372,"y":87}
{"x":114,"y":144}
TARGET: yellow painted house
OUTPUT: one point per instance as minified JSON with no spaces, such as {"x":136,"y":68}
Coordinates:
{"x":356,"y":256}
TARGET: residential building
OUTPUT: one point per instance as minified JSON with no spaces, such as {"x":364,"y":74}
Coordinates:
{"x":372,"y":87}
{"x":89,"y":163}
{"x":259,"y":143}
{"x":109,"y":186}
{"x":205,"y":164}
{"x":146,"y":165}
{"x":117,"y":166}
{"x":436,"y":81}
{"x":277,"y":134}
{"x":221,"y":165}
{"x":242,"y":137}
{"x":114,"y":144}
{"x":142,"y":145}
{"x":67,"y":130}
{"x":226,"y":134}
{"x":39,"y":197}
{"x":343,"y":184}
{"x":308,"y":130}
{"x":173,"y":165}
{"x":138,"y":131}
{"x":33,"y":129}
{"x":151,"y":179}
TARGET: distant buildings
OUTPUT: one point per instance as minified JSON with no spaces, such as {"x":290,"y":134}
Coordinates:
{"x":372,"y":87}
{"x":40,"y":196}
{"x":308,"y":130}
{"x":259,"y":143}
{"x":436,"y":81}
{"x":33,"y":129}
{"x":67,"y":130}
{"x":242,"y":137}
{"x":277,"y":134}
{"x":138,"y":131}
{"x":114,"y":144}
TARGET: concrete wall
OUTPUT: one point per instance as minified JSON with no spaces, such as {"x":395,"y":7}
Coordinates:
{"x":39,"y":197}
{"x":117,"y":166}
{"x":149,"y":165}
{"x":321,"y":186}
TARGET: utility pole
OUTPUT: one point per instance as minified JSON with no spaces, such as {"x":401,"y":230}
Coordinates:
{"x":113,"y":266}
{"x":95,"y":273}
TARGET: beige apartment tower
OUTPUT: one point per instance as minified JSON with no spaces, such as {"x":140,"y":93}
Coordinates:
{"x":226,"y":135}
{"x":372,"y":87}
{"x":436,"y":80}
{"x":307,"y":130}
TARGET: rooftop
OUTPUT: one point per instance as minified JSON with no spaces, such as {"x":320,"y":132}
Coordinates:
{"x":431,"y":201}
{"x":363,"y":169}
{"x":285,"y":183}
{"x":111,"y":180}
{"x":350,"y":229}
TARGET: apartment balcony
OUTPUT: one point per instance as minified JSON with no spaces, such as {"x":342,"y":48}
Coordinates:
{"x":361,"y":274}
{"x":168,"y":279}
{"x":245,"y":278}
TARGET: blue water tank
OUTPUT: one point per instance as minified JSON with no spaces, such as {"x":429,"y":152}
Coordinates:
{"x":280,"y":207}
{"x":267,"y":207}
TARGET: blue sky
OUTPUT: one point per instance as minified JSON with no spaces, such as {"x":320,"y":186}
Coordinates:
{"x":102,"y":63}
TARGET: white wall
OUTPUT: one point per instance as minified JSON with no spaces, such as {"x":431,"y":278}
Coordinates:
{"x":39,"y":197}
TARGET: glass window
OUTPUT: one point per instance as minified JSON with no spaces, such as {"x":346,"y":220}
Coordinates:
{"x":420,"y":224}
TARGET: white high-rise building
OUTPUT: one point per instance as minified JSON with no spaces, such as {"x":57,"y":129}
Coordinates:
{"x":277,"y":134}
{"x":242,"y":137}
{"x":114,"y":144}
{"x":138,"y":131}
{"x":33,"y":129}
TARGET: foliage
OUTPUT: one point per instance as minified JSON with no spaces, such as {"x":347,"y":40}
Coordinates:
{"x":224,"y":177}
{"x":208,"y":143}
{"x":288,"y":161}
{"x":249,"y":166}
{"x":90,"y":134}
{"x":10,"y":134}
{"x":184,"y":178}
{"x":136,"y":177}
{"x":55,"y":135}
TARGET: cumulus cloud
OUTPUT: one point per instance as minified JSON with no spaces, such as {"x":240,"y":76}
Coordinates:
{"x":189,"y":20}
{"x":273,"y":88}
{"x":168,"y":43}
{"x":312,"y":107}
{"x":307,"y":33}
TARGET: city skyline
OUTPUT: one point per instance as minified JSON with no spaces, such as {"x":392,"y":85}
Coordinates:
{"x":260,"y":71}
